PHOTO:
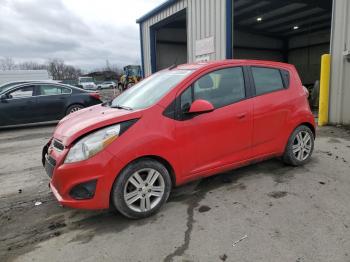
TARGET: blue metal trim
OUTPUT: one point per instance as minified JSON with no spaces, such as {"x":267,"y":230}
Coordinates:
{"x":142,"y":57}
{"x":156,"y":10}
{"x":229,"y":27}
{"x":153,"y":50}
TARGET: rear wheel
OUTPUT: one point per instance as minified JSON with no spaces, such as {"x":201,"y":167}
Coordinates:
{"x":300,"y":146}
{"x":141,"y":189}
{"x":73,"y":108}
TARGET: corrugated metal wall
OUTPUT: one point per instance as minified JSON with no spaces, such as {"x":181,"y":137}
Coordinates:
{"x":340,"y":67}
{"x":205,"y":18}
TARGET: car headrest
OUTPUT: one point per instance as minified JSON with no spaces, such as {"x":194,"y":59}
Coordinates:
{"x":205,"y":82}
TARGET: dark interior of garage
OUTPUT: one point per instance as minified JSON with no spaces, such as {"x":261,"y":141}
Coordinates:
{"x":170,"y":40}
{"x":296,"y":32}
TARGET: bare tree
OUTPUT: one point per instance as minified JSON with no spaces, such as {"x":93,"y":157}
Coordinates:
{"x":60,"y":71}
{"x":116,"y":69}
{"x":108,"y":65}
{"x":7,"y":63}
{"x":56,"y":68}
{"x":30,"y":65}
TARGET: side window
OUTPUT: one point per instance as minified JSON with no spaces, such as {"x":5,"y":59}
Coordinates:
{"x":66,"y":90}
{"x":286,"y":78}
{"x":221,"y":87}
{"x":267,"y":80}
{"x":23,"y":92}
{"x":47,"y":90}
{"x":186,"y":100}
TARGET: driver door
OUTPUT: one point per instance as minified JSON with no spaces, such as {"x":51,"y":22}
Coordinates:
{"x":19,"y":106}
{"x":223,"y":136}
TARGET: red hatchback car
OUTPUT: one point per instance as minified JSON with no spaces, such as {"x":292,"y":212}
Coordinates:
{"x":181,"y":124}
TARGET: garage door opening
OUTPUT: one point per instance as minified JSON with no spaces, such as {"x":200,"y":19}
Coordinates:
{"x":297,"y":32}
{"x":169,"y":39}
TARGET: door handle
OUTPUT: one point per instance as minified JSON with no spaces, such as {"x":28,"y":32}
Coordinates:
{"x":241,"y":116}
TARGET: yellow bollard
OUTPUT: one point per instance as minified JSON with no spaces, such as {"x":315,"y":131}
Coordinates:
{"x":324,"y":90}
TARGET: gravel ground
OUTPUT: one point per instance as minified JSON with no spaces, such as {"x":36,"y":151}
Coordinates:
{"x":265,"y":212}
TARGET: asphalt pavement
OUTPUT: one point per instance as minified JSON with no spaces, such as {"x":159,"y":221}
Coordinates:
{"x":265,"y":212}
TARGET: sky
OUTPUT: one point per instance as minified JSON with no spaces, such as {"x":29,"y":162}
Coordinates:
{"x":84,"y":33}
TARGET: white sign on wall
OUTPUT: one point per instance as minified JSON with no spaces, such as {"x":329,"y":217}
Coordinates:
{"x":202,"y":58}
{"x":205,"y":46}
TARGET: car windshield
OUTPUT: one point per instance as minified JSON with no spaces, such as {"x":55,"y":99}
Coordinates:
{"x":151,"y":90}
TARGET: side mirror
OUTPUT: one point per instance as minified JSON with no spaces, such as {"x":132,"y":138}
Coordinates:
{"x":201,"y":106}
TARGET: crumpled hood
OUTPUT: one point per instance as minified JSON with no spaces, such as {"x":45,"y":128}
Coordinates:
{"x":86,"y":120}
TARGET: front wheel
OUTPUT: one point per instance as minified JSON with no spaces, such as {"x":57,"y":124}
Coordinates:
{"x":300,"y":146}
{"x":141,"y":189}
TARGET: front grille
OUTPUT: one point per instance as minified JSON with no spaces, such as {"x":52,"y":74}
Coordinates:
{"x":57,"y":145}
{"x":50,"y":164}
{"x":51,"y":161}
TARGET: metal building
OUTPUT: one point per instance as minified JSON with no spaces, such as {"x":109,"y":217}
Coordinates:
{"x":339,"y":109}
{"x":23,"y":75}
{"x":294,"y":31}
{"x":177,"y":25}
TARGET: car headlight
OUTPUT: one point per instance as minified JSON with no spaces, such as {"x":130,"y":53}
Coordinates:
{"x":90,"y":145}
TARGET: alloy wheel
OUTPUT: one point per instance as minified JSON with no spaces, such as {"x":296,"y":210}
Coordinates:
{"x":144,"y":190}
{"x":74,"y":109}
{"x":302,"y":145}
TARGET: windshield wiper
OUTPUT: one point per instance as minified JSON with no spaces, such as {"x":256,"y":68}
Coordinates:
{"x":122,"y":107}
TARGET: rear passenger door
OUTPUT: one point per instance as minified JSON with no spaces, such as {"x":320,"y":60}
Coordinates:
{"x":52,"y":101}
{"x":270,"y":108}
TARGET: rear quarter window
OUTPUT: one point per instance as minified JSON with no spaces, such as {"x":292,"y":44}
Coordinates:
{"x":48,"y":90}
{"x":66,"y":90}
{"x":286,"y":78}
{"x":267,"y":80}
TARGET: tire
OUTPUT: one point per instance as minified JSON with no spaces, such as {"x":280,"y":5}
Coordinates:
{"x":73,"y":108}
{"x":300,"y":146}
{"x":136,"y":200}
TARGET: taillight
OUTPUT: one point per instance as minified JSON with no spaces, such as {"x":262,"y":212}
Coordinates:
{"x":95,"y":95}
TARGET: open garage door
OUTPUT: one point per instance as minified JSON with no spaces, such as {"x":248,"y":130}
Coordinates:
{"x":294,"y":31}
{"x":169,"y":41}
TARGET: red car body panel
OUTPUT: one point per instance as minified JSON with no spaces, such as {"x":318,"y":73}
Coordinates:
{"x":89,"y":119}
{"x":235,"y":135}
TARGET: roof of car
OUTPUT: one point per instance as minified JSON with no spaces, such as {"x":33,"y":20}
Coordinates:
{"x":199,"y":65}
{"x":40,"y":82}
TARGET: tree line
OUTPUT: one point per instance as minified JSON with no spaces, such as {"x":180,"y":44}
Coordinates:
{"x":57,"y":68}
